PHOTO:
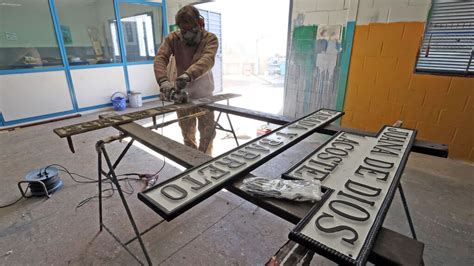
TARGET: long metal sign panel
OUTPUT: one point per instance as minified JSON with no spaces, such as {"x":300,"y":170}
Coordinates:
{"x":178,"y":194}
{"x":75,"y":129}
{"x":360,"y":175}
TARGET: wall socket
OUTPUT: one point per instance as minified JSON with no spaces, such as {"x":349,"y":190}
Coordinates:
{"x":11,"y":36}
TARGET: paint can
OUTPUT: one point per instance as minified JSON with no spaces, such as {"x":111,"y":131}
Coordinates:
{"x":119,"y":101}
{"x":135,"y":99}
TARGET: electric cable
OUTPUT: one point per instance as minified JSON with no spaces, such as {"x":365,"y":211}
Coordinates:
{"x":16,"y":201}
{"x":13,"y":203}
{"x":155,"y":176}
{"x":88,"y":180}
{"x":129,"y":191}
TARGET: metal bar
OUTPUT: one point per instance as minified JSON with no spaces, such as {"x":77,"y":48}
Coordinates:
{"x":123,"y":154}
{"x":167,"y":123}
{"x":75,"y":129}
{"x":99,"y":180}
{"x":70,"y":144}
{"x":124,"y":246}
{"x":271,"y":118}
{"x":23,"y":193}
{"x":470,"y":61}
{"x":144,"y":232}
{"x":216,"y":125}
{"x":399,"y":123}
{"x":218,"y":117}
{"x":114,"y":179}
{"x":420,"y":146}
{"x":407,"y":212}
{"x":219,"y":127}
{"x":182,"y":154}
{"x":232,"y":129}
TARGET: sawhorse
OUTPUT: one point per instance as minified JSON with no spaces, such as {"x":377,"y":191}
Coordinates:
{"x":112,"y":176}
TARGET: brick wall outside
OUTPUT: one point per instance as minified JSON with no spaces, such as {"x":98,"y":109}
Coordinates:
{"x":383,"y":88}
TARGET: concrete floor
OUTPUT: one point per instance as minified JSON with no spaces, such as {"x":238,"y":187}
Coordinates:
{"x":222,"y":230}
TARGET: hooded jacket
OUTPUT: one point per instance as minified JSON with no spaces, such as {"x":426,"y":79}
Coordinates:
{"x":196,"y":61}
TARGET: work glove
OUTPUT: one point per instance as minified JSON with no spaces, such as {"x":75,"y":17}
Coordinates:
{"x":182,"y":81}
{"x":165,"y":89}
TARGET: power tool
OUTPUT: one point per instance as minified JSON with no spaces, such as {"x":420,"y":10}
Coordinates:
{"x":178,"y":96}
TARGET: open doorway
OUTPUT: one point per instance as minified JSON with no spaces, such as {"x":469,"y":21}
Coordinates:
{"x":253,"y":50}
{"x":251,"y":60}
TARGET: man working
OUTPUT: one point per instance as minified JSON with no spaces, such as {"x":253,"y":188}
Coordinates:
{"x":194,"y":50}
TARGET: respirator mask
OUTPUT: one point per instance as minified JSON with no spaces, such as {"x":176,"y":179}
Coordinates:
{"x":191,"y":37}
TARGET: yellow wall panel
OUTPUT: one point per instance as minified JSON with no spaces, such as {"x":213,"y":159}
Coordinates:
{"x":367,"y":48}
{"x":385,"y":32}
{"x":413,"y":31}
{"x":361,"y":32}
{"x":407,"y":97}
{"x":464,"y":136}
{"x":431,"y":83}
{"x":457,"y":119}
{"x":438,"y":133}
{"x":445,"y":102}
{"x":383,"y":88}
{"x":462,"y":87}
{"x":420,"y":113}
{"x":458,"y":151}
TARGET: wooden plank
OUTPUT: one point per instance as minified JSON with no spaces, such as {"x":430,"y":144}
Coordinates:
{"x":392,"y":248}
{"x":262,"y":116}
{"x":75,"y":129}
{"x":183,"y":155}
{"x":420,"y":146}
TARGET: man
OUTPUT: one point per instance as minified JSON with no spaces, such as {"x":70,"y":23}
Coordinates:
{"x":194,"y":50}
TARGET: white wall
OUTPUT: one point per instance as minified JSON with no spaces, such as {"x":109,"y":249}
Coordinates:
{"x":94,"y":86}
{"x":142,"y":79}
{"x":324,"y":12}
{"x":33,"y":94}
{"x":385,"y":11}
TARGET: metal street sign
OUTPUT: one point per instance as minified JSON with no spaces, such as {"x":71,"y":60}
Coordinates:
{"x":178,"y":194}
{"x":360,"y":175}
{"x":75,"y":129}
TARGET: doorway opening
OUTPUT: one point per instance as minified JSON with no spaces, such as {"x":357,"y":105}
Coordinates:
{"x":253,"y":39}
{"x":251,"y":60}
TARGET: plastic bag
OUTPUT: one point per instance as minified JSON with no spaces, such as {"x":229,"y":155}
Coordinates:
{"x":298,"y":190}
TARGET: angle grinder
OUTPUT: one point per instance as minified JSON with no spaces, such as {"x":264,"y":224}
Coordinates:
{"x":178,"y":96}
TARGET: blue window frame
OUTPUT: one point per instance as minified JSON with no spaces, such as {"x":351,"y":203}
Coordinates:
{"x":143,"y":29}
{"x":27,"y":36}
{"x":86,"y":34}
{"x":64,"y":58}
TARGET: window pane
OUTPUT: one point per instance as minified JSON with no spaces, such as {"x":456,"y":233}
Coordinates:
{"x":142,"y":30}
{"x":27,"y":38}
{"x":89,"y":31}
{"x":448,"y":42}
